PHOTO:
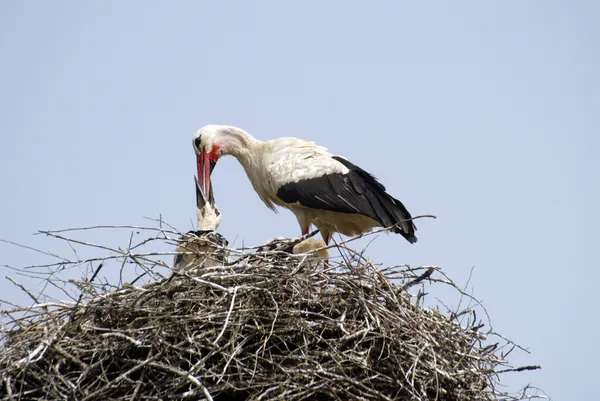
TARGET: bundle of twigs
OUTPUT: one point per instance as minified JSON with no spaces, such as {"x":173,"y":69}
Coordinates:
{"x":263,"y":326}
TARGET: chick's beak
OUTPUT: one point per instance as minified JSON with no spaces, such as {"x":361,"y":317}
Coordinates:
{"x":200,"y":198}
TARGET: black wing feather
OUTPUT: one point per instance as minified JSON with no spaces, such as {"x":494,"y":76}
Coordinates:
{"x":354,"y":192}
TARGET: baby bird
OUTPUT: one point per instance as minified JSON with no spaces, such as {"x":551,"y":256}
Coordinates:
{"x":310,"y":246}
{"x":203,"y":247}
{"x":299,"y":246}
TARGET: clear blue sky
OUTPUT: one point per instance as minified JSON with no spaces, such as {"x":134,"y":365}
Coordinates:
{"x":485,"y":114}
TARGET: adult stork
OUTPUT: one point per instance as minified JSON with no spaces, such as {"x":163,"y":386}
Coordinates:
{"x":319,"y":188}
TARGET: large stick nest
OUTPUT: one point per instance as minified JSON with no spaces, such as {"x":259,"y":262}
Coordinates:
{"x":264,"y":327}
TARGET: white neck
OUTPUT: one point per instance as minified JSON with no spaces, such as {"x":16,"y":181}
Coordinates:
{"x":244,"y":147}
{"x":250,"y":152}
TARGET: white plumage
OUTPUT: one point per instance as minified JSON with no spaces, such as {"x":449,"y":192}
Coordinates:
{"x":318,"y":187}
{"x":291,"y":160}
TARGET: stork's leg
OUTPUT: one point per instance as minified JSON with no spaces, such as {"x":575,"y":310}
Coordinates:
{"x":326,"y":237}
{"x":303,"y":221}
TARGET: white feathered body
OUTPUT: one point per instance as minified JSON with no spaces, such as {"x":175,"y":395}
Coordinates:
{"x":289,"y":160}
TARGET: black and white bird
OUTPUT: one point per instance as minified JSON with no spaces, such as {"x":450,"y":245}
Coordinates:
{"x":319,"y":188}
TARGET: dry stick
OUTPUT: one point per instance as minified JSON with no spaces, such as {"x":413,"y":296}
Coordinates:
{"x":33,"y":249}
{"x":106,"y":258}
{"x":90,"y":282}
{"x":227,"y":317}
{"x":388,"y":228}
{"x":509,"y":341}
{"x":120,"y":377}
{"x":520,"y":369}
{"x":70,"y":357}
{"x":73,"y":249}
{"x":141,"y":380}
{"x":25,"y":290}
{"x":422,"y":277}
{"x":37,"y":306}
{"x":451,"y":283}
{"x":160,"y":230}
{"x":20,"y":271}
{"x":80,"y":242}
{"x":155,"y":238}
{"x":160,"y":222}
{"x":346,"y":261}
{"x":361,"y":257}
{"x":6,"y":381}
{"x":61,"y":287}
{"x":125,"y":261}
{"x":40,"y":350}
{"x":185,"y":375}
{"x":470,"y":300}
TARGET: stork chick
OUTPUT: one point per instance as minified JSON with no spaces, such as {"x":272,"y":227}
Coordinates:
{"x":312,"y":246}
{"x":204,"y":247}
{"x":298,"y":246}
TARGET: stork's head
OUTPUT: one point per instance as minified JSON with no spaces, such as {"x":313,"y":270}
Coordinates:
{"x":207,"y":154}
{"x":213,"y":141}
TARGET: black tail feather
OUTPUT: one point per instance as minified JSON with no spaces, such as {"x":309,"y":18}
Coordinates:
{"x":388,"y":211}
{"x":391,"y":212}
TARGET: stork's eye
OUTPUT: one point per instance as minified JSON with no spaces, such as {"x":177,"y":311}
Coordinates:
{"x":198,"y":142}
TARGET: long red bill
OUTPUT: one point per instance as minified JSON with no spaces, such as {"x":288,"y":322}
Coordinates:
{"x":203,"y":163}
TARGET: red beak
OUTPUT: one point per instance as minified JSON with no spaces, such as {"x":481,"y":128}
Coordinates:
{"x":206,"y":164}
{"x":204,"y":171}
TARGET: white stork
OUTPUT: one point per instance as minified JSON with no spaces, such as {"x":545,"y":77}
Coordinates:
{"x":319,"y":188}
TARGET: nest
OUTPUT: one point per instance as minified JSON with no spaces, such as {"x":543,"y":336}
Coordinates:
{"x":268,"y":326}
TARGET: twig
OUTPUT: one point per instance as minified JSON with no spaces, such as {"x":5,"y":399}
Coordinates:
{"x":185,"y":375}
{"x":422,"y":277}
{"x":520,"y":369}
{"x":25,"y":290}
{"x":228,"y":315}
{"x":33,"y":249}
